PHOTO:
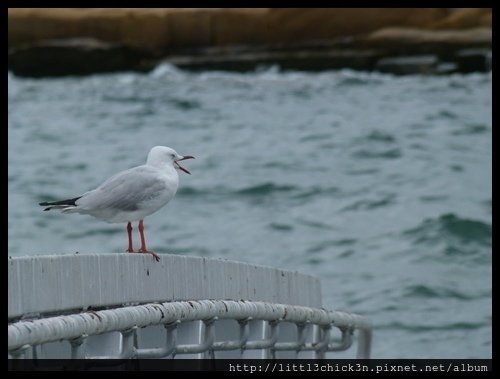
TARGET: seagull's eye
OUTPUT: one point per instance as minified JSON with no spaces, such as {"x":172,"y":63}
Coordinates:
{"x":173,"y":156}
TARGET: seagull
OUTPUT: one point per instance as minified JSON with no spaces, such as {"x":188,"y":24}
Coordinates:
{"x":131,"y":195}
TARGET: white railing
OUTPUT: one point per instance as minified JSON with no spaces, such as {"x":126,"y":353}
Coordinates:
{"x":198,"y":328}
{"x":311,"y":324}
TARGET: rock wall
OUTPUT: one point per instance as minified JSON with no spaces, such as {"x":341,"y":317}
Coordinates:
{"x":79,"y":41}
{"x":162,"y":28}
{"x":465,"y":18}
{"x":291,"y":24}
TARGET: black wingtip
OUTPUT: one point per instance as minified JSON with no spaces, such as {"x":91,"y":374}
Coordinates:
{"x":66,"y":202}
{"x":47,"y":209}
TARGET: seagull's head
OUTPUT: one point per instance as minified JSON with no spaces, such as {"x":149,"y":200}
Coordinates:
{"x":160,"y":155}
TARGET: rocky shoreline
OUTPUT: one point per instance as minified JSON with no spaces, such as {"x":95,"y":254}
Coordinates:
{"x":80,"y":41}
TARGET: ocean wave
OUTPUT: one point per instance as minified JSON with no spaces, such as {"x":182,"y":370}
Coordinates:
{"x":351,"y":78}
{"x":265,"y":189}
{"x":384,"y":154}
{"x":314,"y":224}
{"x":386,"y":200}
{"x":424,"y":291}
{"x":451,"y":228}
{"x":379,"y":136}
{"x":316,"y":137}
{"x":315,"y":191}
{"x":433,"y":198}
{"x":412,"y":327}
{"x":280,"y":227}
{"x":190,"y":191}
{"x":182,"y":104}
{"x":166,"y":70}
{"x":95,"y":232}
{"x":367,"y":171}
{"x":331,"y":244}
{"x":442,"y":114}
{"x":262,"y":189}
{"x":471,"y":130}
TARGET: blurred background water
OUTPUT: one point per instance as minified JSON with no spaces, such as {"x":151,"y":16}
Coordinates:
{"x":378,"y":185}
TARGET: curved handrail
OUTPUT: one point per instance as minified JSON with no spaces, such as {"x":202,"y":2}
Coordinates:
{"x":71,"y":327}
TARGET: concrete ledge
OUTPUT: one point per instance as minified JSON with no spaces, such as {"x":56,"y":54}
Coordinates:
{"x":57,"y":283}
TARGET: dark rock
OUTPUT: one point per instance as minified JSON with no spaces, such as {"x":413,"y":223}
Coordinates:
{"x":473,"y":60}
{"x":418,"y":64}
{"x":80,"y":56}
{"x":307,"y":60}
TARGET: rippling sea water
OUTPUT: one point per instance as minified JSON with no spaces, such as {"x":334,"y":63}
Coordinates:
{"x":378,"y":185}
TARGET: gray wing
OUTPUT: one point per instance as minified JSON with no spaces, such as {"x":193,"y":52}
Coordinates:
{"x":125,"y":191}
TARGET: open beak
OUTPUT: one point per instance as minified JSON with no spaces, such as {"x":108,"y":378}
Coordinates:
{"x":182,"y":159}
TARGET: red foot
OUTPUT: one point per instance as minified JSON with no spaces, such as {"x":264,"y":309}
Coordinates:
{"x":130,"y":251}
{"x":155,"y":256}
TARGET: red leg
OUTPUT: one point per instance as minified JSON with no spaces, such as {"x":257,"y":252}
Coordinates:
{"x":143,"y":248}
{"x":129,"y":231}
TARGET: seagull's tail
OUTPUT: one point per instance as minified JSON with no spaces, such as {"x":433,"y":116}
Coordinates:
{"x":61,"y":204}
